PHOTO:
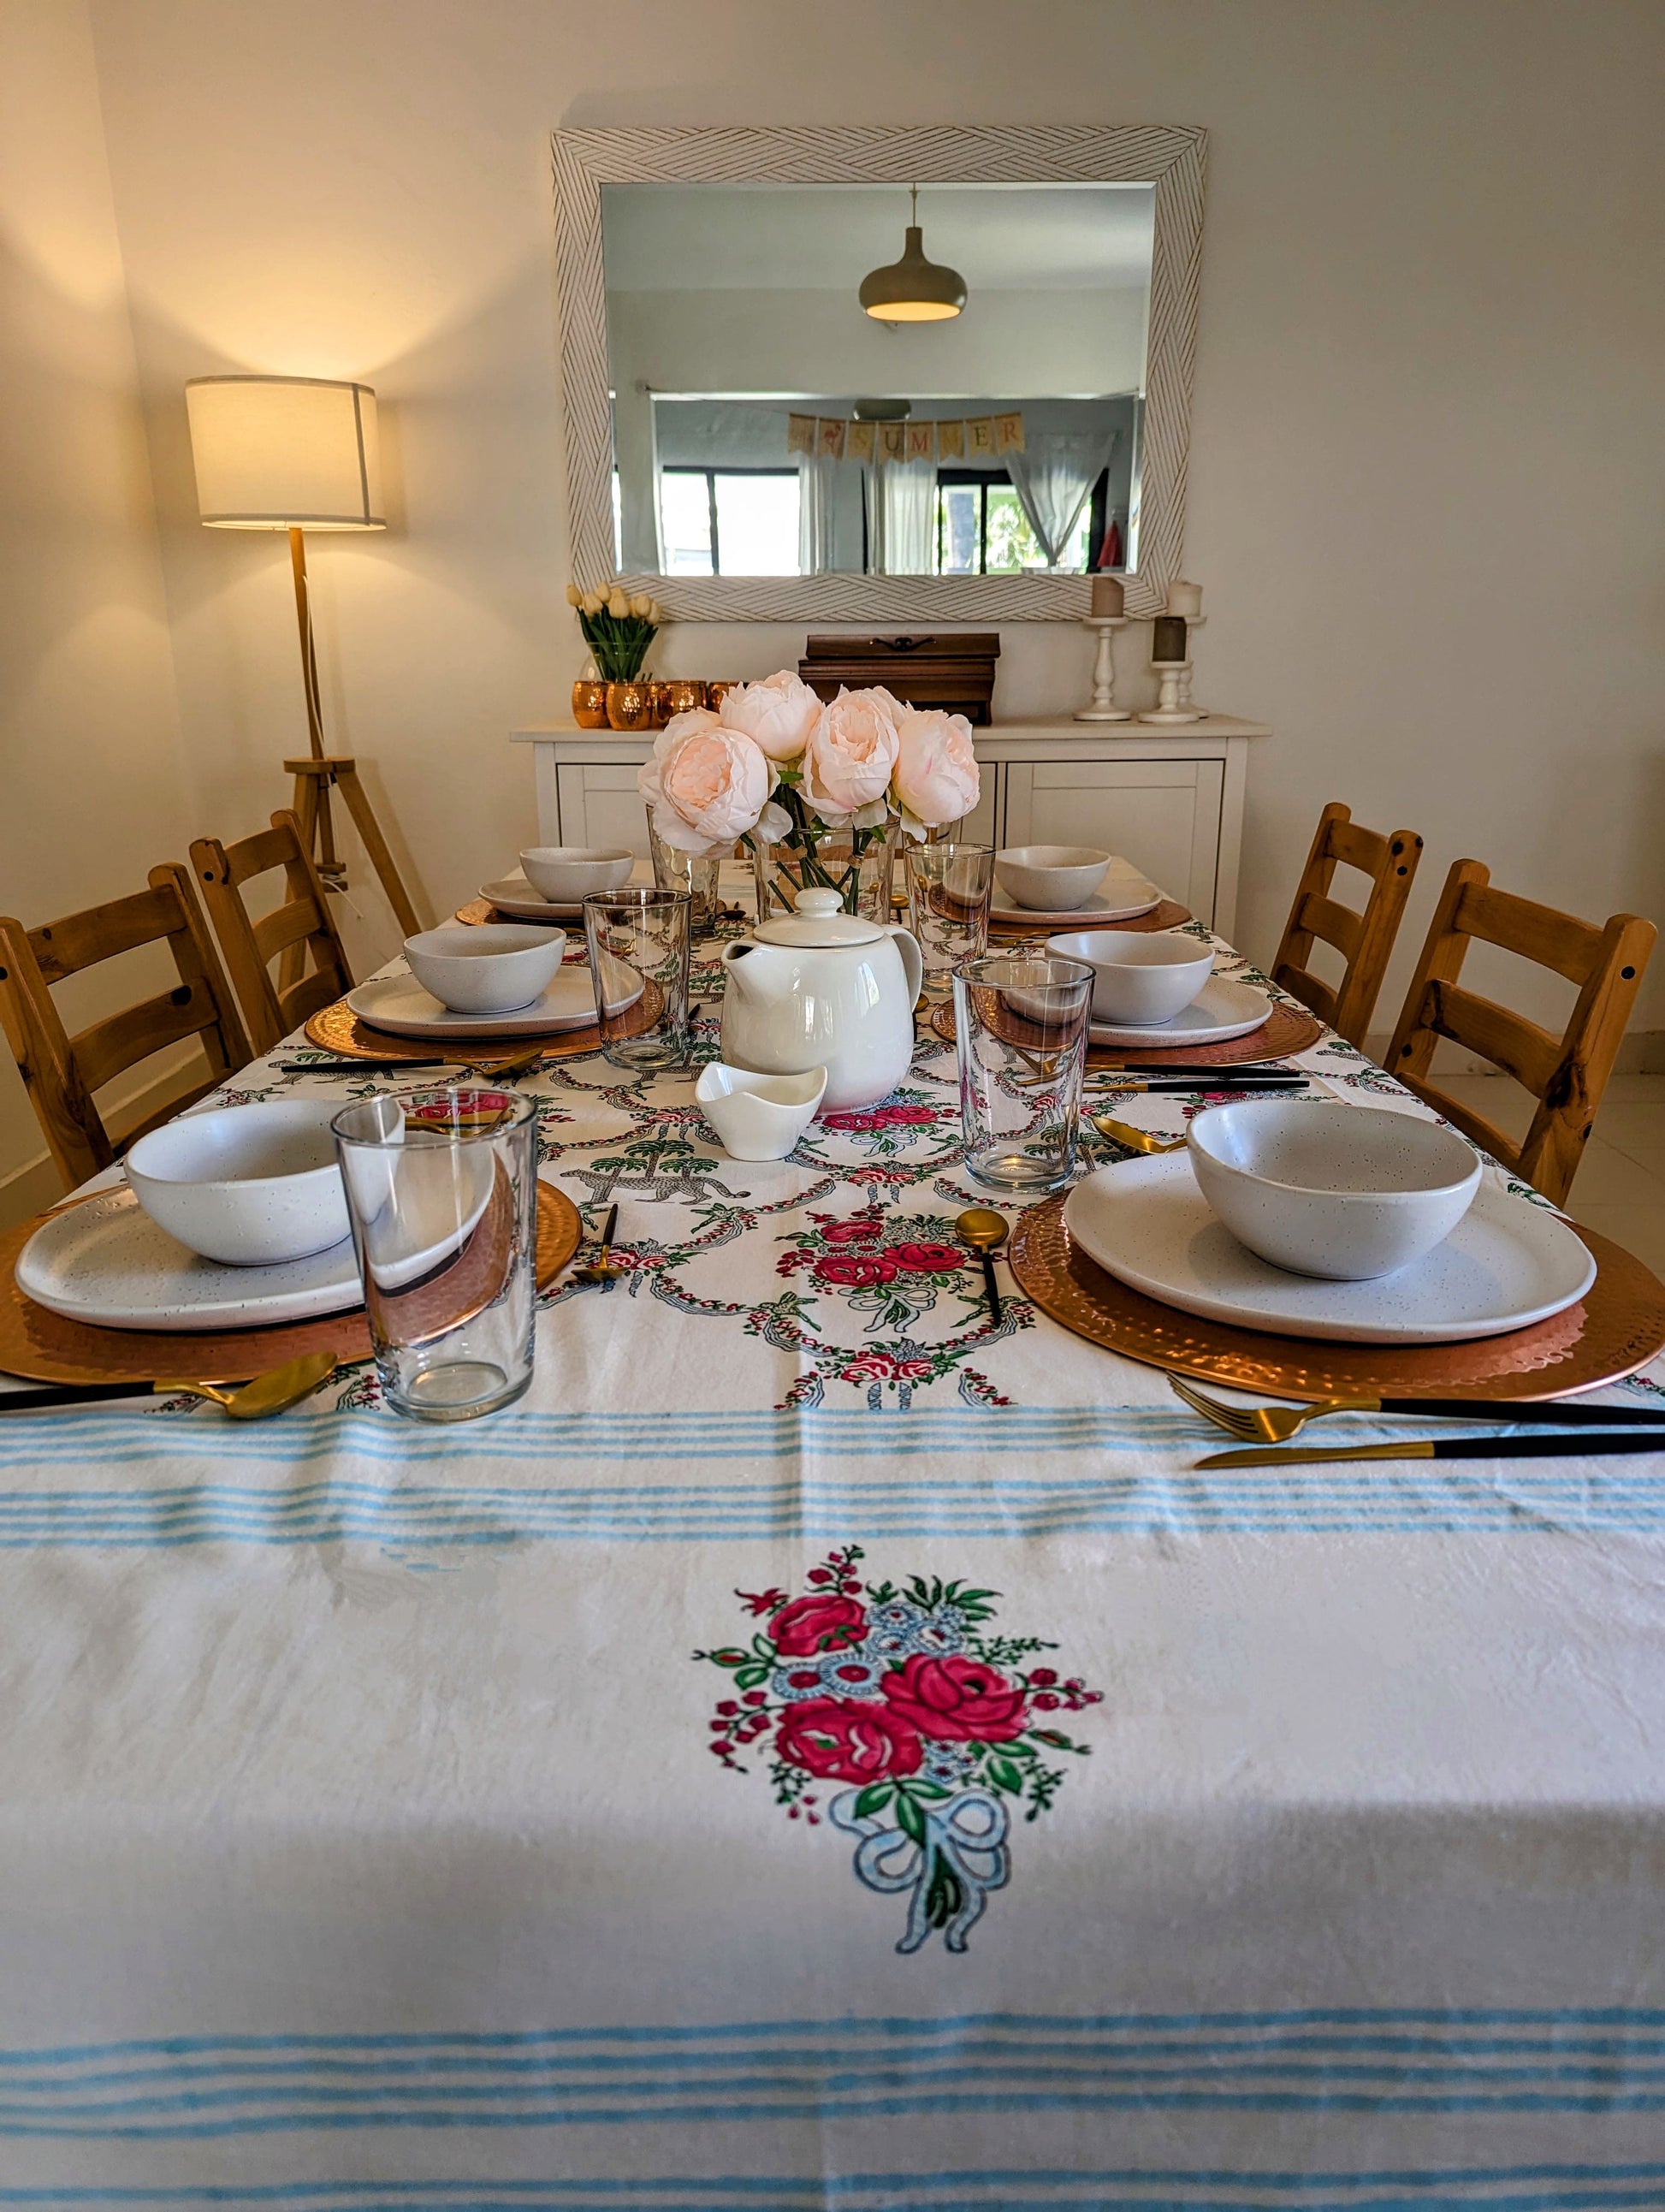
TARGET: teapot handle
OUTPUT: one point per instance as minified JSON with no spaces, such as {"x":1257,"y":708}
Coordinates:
{"x":913,"y":965}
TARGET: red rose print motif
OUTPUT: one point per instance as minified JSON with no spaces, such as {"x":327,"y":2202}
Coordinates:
{"x":855,"y":1271}
{"x":839,"y":1741}
{"x":809,"y":1624}
{"x":926,"y":1258}
{"x":959,"y":1700}
{"x":905,"y":1697}
{"x":859,"y":1229}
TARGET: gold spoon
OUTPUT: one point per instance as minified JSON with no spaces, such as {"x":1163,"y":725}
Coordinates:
{"x":985,"y":1231}
{"x":601,"y":1269}
{"x":1137,"y":1140}
{"x":274,"y":1392}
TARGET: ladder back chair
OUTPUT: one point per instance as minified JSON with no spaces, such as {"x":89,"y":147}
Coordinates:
{"x":302,"y":924}
{"x":1365,"y":941}
{"x":1566,"y":1074}
{"x":60,"y":1072}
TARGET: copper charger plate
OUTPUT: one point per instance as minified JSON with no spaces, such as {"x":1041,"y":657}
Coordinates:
{"x":1168,"y":914}
{"x":479,"y":910}
{"x":338,"y":1030}
{"x":1618,"y":1329}
{"x":47,"y":1347}
{"x":1290,"y":1029}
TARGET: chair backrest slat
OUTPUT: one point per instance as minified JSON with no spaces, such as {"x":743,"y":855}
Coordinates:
{"x":304,"y":917}
{"x":1566,"y":1074}
{"x":61,"y":1072}
{"x":1365,"y":941}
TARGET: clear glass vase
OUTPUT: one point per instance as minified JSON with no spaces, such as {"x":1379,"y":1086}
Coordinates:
{"x":862,"y":880}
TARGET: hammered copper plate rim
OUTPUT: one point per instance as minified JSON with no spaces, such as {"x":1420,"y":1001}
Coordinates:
{"x":1169,"y":915}
{"x":1618,"y":1327}
{"x":40,"y":1346}
{"x":338,"y":1030}
{"x":1287,"y":1029}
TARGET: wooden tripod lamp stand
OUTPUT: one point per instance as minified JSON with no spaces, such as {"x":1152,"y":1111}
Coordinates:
{"x":300,"y":454}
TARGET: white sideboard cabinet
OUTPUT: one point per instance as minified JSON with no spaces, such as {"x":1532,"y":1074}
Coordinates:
{"x":1169,"y":800}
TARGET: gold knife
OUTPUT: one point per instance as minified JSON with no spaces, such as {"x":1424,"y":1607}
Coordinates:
{"x":1565,"y":1443}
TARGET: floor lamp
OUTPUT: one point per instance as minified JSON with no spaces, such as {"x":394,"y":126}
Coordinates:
{"x":300,"y":454}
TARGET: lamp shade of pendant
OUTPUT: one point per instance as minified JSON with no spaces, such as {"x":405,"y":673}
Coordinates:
{"x":285,"y":452}
{"x":913,"y":289}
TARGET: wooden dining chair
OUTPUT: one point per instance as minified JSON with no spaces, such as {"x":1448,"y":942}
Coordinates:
{"x":304,"y":921}
{"x":1566,"y":1074}
{"x":1365,"y":941}
{"x":60,"y":1072}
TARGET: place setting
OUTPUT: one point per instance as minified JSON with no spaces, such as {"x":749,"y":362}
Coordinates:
{"x":1041,"y":887}
{"x":241,"y":1241}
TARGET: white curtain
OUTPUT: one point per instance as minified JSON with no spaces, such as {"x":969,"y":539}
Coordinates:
{"x":904,"y":519}
{"x":1055,"y":478}
{"x":817,"y":483}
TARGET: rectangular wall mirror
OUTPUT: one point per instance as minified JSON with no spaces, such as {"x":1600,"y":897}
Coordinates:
{"x":1003,"y":414}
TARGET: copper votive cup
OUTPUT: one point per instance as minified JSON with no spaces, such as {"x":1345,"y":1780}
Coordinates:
{"x":590,"y":703}
{"x":683,"y":694}
{"x":713,"y":692}
{"x":630,"y":704}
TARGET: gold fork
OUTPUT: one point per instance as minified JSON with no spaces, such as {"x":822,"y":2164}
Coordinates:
{"x":1264,"y":1424}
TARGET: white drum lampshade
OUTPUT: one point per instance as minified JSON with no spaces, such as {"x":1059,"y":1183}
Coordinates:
{"x":285,"y":452}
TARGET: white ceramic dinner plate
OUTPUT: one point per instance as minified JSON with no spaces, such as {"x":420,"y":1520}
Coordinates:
{"x":398,"y":1004}
{"x":1507,"y":1264}
{"x":106,"y":1261}
{"x":513,"y":894}
{"x":1220,"y":1011}
{"x":1123,"y":896}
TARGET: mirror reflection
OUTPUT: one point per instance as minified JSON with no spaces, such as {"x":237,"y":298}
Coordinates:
{"x":816,"y":378}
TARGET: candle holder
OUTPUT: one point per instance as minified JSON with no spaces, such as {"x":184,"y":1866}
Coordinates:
{"x":1194,"y":623}
{"x":1103,"y":708}
{"x":1173,"y":677}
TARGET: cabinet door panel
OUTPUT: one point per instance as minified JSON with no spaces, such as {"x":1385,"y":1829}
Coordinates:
{"x":602,"y":806}
{"x":1164,"y":815}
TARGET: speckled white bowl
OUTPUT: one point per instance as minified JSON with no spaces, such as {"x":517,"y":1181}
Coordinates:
{"x":250,"y":1186}
{"x":489,"y":968}
{"x":1137,"y":979}
{"x":566,"y":873}
{"x":1346,"y":1192}
{"x":1050,"y":879}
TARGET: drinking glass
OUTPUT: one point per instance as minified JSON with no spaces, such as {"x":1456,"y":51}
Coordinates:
{"x":948,"y":894}
{"x":640,"y":944}
{"x":696,"y":873}
{"x":442,"y":1194}
{"x":1020,"y":1024}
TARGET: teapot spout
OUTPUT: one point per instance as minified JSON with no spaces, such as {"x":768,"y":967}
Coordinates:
{"x":743,"y":975}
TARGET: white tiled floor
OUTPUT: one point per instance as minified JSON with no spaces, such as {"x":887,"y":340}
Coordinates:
{"x":1619,"y":1187}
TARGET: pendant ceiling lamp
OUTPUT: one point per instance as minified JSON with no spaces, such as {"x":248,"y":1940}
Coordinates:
{"x":912,"y":290}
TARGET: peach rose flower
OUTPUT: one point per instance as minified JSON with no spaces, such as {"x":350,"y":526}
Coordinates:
{"x":707,"y":786}
{"x":778,"y":715}
{"x":851,"y":753}
{"x":937,"y":778}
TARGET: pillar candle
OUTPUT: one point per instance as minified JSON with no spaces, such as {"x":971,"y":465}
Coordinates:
{"x":1168,"y":638}
{"x":1107,"y":596}
{"x":1185,"y":599}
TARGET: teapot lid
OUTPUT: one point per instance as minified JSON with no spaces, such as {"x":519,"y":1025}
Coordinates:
{"x":820,"y":920}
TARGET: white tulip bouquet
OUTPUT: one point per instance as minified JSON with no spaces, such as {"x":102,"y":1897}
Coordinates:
{"x":775,"y":766}
{"x":618,"y":630}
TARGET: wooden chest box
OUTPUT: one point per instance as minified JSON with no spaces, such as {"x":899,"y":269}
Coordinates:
{"x":954,"y":671}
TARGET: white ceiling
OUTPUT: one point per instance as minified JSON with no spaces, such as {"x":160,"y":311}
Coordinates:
{"x":701,"y":238}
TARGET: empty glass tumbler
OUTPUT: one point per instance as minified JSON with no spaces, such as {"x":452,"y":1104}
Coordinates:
{"x":948,"y":893}
{"x":442,"y":1194}
{"x":1020,"y":1024}
{"x":640,"y":944}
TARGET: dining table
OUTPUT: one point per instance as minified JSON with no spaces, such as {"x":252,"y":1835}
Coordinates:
{"x":823,"y":1749}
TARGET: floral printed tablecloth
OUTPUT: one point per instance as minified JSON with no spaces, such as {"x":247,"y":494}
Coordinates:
{"x":821,"y":1749}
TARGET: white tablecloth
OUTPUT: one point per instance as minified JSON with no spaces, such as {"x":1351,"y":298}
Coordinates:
{"x":362,"y":1842}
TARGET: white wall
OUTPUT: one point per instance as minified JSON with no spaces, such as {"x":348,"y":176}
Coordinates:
{"x":90,"y":767}
{"x":1425,"y":465}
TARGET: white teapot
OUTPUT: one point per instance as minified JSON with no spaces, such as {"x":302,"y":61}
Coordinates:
{"x":821,"y":987}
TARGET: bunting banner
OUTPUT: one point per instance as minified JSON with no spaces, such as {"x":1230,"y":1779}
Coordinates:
{"x":980,"y":438}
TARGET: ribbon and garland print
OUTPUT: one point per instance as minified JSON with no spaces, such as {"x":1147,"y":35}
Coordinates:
{"x":940,"y":1727}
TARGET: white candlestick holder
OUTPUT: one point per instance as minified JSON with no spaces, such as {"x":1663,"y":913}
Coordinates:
{"x":1194,"y":623}
{"x":1172,"y":677}
{"x":1103,"y":708}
